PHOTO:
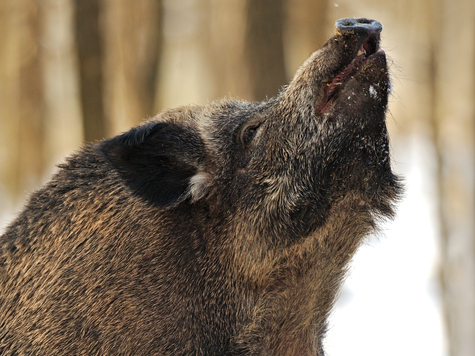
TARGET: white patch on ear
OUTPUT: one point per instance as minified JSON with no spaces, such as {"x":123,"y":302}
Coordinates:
{"x":199,"y":185}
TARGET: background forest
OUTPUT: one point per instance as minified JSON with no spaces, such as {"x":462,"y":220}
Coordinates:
{"x":74,"y":71}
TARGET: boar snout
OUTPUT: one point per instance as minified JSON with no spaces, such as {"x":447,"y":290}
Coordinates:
{"x":358,"y":25}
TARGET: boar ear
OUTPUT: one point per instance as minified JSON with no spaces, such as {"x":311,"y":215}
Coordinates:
{"x":159,"y":162}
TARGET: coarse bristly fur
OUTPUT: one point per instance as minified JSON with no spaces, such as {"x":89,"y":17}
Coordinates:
{"x":224,"y":229}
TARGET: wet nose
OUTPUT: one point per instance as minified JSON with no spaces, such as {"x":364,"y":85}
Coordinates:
{"x":358,"y":25}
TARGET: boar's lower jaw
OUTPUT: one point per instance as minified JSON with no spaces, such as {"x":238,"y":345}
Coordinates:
{"x":366,"y":53}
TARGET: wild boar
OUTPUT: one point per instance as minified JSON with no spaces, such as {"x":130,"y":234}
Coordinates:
{"x":222,"y":229}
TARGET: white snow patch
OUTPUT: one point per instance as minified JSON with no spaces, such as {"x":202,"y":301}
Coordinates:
{"x":372,"y":92}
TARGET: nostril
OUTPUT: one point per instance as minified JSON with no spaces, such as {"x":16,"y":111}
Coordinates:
{"x":363,"y":20}
{"x":358,"y":25}
{"x":346,"y":22}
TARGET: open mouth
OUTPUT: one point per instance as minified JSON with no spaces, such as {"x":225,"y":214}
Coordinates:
{"x":368,"y":50}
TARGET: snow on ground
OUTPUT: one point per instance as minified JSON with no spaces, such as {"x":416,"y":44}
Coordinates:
{"x":391,"y":303}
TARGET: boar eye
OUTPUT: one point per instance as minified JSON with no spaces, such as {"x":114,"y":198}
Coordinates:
{"x":248,"y":133}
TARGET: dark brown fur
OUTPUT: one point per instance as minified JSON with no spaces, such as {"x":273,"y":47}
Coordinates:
{"x":216,"y":230}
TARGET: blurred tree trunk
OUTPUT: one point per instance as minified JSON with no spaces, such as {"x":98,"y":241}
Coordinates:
{"x":90,"y":55}
{"x":227,"y":29}
{"x":264,"y":47}
{"x":21,"y":110}
{"x":247,"y":48}
{"x":227,"y":48}
{"x":63,"y":129}
{"x":307,"y":28}
{"x":454,"y":119}
{"x":133,"y":42}
{"x":186,"y":75}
